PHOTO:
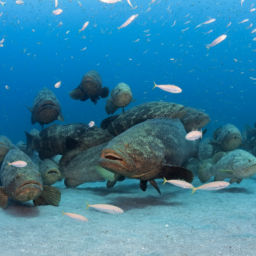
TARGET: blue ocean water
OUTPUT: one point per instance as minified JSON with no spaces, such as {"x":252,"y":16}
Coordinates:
{"x":161,"y":45}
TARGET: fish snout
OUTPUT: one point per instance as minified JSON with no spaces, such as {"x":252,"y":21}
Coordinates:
{"x":28,"y":191}
{"x":113,"y":161}
{"x":51,"y":176}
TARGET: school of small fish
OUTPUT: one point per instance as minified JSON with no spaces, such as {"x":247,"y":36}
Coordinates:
{"x":106,"y":208}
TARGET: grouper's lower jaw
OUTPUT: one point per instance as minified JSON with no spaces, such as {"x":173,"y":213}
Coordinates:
{"x":28,"y":191}
{"x":51,"y":176}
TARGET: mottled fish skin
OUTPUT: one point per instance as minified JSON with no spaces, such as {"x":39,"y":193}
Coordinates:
{"x":46,"y":108}
{"x":90,"y":88}
{"x":60,"y":139}
{"x":190,"y":117}
{"x":227,"y":137}
{"x":142,"y":151}
{"x":120,"y":97}
{"x":82,"y":168}
{"x":21,"y":184}
{"x":235,"y":165}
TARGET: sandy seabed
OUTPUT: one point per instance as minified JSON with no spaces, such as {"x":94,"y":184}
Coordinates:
{"x":175,"y":223}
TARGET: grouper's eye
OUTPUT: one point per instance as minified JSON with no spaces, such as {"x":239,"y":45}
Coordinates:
{"x":113,"y":157}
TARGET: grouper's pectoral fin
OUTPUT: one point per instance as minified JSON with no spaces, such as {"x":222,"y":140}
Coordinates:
{"x":143,"y":185}
{"x":3,"y":198}
{"x":176,"y":172}
{"x":49,"y":196}
{"x":153,"y":183}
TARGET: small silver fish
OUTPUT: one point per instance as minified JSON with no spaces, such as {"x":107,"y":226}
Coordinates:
{"x":57,"y":85}
{"x":84,"y":26}
{"x":215,"y":185}
{"x":194,"y":135}
{"x":108,"y":208}
{"x":75,"y":216}
{"x":216,"y":41}
{"x":110,"y":1}
{"x":18,"y":163}
{"x":128,"y":21}
{"x":168,"y":88}
{"x":57,"y":11}
{"x":179,"y":183}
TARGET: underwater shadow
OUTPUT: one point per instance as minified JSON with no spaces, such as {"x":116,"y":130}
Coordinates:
{"x":130,"y":203}
{"x":235,"y":190}
{"x":17,"y":209}
{"x":117,"y":189}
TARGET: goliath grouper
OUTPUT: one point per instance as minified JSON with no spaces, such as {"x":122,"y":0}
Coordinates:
{"x":153,"y":149}
{"x":191,"y":118}
{"x":24,"y":184}
{"x":69,"y":138}
{"x":90,"y":88}
{"x":46,"y":108}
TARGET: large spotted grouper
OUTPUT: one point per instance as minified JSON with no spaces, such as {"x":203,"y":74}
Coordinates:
{"x":46,"y":108}
{"x":152,"y":149}
{"x":90,"y":88}
{"x":191,"y":118}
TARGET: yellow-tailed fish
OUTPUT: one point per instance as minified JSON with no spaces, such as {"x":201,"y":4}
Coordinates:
{"x":179,"y":183}
{"x":108,"y":208}
{"x":215,"y":185}
{"x":75,"y":216}
{"x":168,"y":88}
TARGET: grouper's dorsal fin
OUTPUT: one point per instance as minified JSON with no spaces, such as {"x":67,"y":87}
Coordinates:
{"x":176,"y":172}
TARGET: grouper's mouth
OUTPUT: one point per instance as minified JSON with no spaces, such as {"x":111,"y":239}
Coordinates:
{"x":113,"y":161}
{"x":29,"y":190}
